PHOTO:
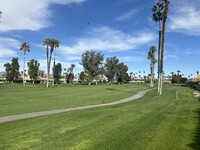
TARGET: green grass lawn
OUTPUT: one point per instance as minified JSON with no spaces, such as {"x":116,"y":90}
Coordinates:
{"x":17,"y":99}
{"x":151,"y":123}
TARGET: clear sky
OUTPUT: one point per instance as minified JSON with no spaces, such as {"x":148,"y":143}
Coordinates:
{"x":121,"y":28}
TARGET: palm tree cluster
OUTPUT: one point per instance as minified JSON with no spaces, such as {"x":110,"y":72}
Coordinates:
{"x":160,"y":13}
{"x":51,"y":45}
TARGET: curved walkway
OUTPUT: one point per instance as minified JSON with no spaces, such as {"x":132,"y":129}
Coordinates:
{"x":50,"y":112}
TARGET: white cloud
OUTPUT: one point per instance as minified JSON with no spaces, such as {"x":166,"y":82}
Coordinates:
{"x":7,"y":50}
{"x":107,"y":39}
{"x":6,"y":47}
{"x":132,"y":59}
{"x":127,"y":15}
{"x":67,"y":1}
{"x":185,"y":17}
{"x":28,"y":14}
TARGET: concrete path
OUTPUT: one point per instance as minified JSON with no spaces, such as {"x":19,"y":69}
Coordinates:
{"x":50,"y":112}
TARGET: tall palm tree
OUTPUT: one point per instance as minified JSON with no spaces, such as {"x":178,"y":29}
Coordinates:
{"x":160,"y":12}
{"x":157,"y":16}
{"x":51,"y":45}
{"x":165,"y":14}
{"x":152,"y":58}
{"x":46,"y":43}
{"x":25,"y":48}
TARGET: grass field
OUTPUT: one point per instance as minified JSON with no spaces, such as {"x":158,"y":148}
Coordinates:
{"x":17,"y":99}
{"x":151,"y":123}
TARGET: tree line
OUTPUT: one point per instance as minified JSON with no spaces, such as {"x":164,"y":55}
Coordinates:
{"x":92,"y":62}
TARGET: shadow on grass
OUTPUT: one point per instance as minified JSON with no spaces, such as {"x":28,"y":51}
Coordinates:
{"x":111,"y":89}
{"x":196,"y":140}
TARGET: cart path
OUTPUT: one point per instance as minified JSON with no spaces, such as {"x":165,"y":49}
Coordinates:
{"x":50,"y":112}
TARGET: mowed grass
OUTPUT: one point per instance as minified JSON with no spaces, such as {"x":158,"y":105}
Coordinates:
{"x":151,"y":123}
{"x":18,"y":99}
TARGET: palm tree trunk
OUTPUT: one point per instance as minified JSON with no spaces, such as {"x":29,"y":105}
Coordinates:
{"x":151,"y":81}
{"x":153,"y":74}
{"x":47,"y":51}
{"x":159,"y":57}
{"x":54,"y":64}
{"x":163,"y":41}
{"x":24,"y":67}
{"x":161,"y":85}
{"x":49,"y":65}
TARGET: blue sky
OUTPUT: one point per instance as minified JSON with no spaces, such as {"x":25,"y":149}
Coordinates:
{"x":121,"y":28}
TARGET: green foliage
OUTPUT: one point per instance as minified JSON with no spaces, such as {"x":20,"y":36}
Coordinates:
{"x":121,"y":72}
{"x":8,"y":69}
{"x":41,"y":73}
{"x":111,"y":68}
{"x":82,"y":76}
{"x":12,"y":70}
{"x":33,"y":69}
{"x":151,"y":56}
{"x":58,"y":72}
{"x":70,"y":74}
{"x":70,"y":77}
{"x":183,"y":80}
{"x":158,"y":11}
{"x":91,"y":62}
{"x":176,"y":78}
{"x":127,"y":77}
{"x":25,"y":47}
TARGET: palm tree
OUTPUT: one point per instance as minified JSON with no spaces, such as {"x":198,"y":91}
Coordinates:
{"x":178,"y":72}
{"x":47,"y":43}
{"x":52,"y":44}
{"x":160,"y":12}
{"x":144,"y":74}
{"x":70,"y":72}
{"x":26,"y":48}
{"x":157,"y":16}
{"x":165,"y":14}
{"x":139,"y":76}
{"x":151,"y":57}
{"x":56,"y":45}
